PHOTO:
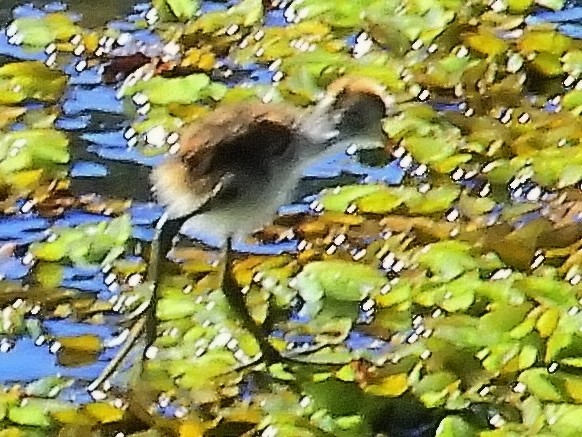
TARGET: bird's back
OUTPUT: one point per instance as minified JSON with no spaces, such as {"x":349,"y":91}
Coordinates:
{"x":236,"y":141}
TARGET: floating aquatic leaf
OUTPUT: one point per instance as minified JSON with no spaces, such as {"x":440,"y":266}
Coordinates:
{"x":548,"y":64}
{"x":250,"y":11}
{"x":340,"y":200}
{"x":502,"y":357}
{"x":35,"y":412}
{"x":30,"y":80}
{"x":346,"y":373}
{"x":541,"y":384}
{"x":456,"y":295}
{"x":74,"y":416}
{"x":391,"y":386}
{"x":379,"y":199}
{"x":82,"y":343}
{"x":349,"y":422}
{"x":30,"y":415}
{"x":548,"y":41}
{"x":549,"y":291}
{"x":279,"y":372}
{"x":455,"y":426}
{"x":448,"y":259}
{"x":183,"y":90}
{"x":384,"y":200}
{"x":34,"y":148}
{"x":400,"y":293}
{"x":103,"y":412}
{"x":434,"y":388}
{"x":572,"y":99}
{"x":572,"y":61}
{"x":86,"y":244}
{"x":203,"y":59}
{"x":474,"y":206}
{"x":527,"y":357}
{"x":551,"y":4}
{"x":173,"y":308}
{"x":338,"y":15}
{"x":548,"y":322}
{"x":503,"y":317}
{"x":191,"y":428}
{"x":302,"y":86}
{"x":202,"y":371}
{"x":244,"y":13}
{"x":573,"y":386}
{"x":429,"y":150}
{"x":385,"y":70}
{"x":339,"y":280}
{"x":315,"y":62}
{"x":519,"y":6}
{"x":180,"y":9}
{"x":43,"y":30}
{"x":565,"y":418}
{"x":436,"y":200}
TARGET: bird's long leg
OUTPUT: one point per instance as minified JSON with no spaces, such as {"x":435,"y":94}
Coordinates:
{"x":237,"y":304}
{"x":166,"y":230}
{"x":144,"y":317}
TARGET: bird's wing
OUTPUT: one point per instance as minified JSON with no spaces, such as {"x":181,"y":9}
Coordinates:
{"x":238,"y":137}
{"x":216,"y":152}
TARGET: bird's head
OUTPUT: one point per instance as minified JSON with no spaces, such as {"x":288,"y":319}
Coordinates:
{"x":351,"y":106}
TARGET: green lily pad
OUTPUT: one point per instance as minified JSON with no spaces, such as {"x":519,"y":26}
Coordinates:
{"x":541,"y":384}
{"x":455,"y":426}
{"x":436,"y":200}
{"x":448,"y":259}
{"x":30,"y":80}
{"x":170,"y":309}
{"x":556,"y":5}
{"x":245,"y":13}
{"x":340,"y":280}
{"x":86,"y":244}
{"x":184,"y":90}
{"x":34,"y":148}
{"x":340,"y":199}
{"x":35,"y":412}
{"x":180,"y":9}
{"x":41,"y":31}
{"x":428,"y":150}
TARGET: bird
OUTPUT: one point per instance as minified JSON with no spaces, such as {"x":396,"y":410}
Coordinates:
{"x":230,"y":172}
{"x":233,"y":169}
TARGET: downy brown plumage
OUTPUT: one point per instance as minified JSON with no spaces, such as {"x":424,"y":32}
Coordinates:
{"x":238,"y":165}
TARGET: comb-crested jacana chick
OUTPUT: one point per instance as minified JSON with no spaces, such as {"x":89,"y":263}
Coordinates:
{"x":234,"y":168}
